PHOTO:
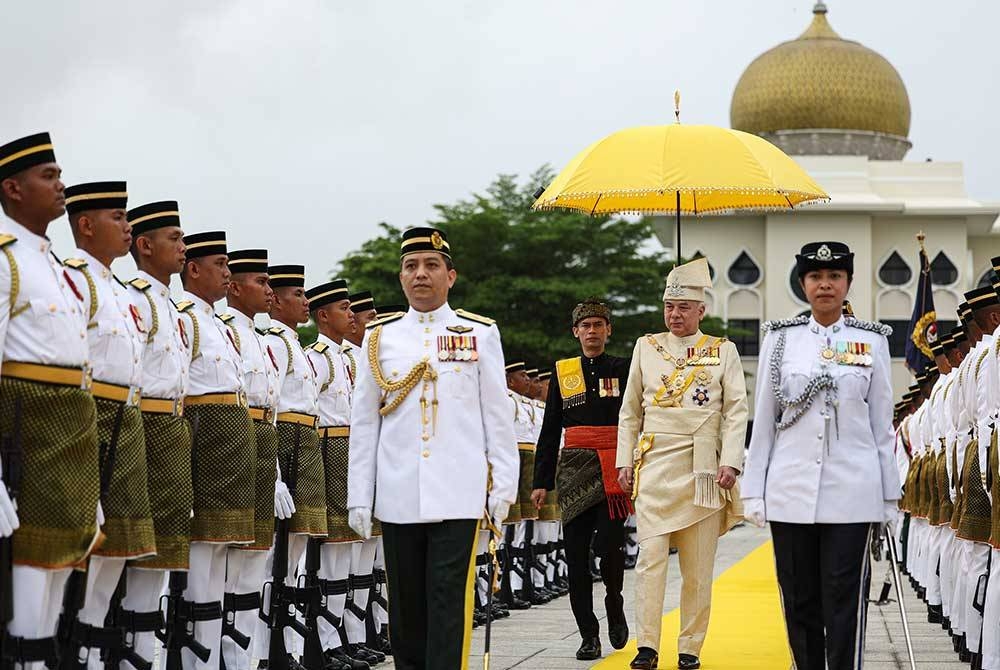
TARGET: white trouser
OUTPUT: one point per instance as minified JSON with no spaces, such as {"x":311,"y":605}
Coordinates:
{"x":977,"y":557}
{"x":991,"y":616}
{"x":362,"y":564}
{"x":335,"y":565}
{"x":915,"y":558}
{"x":143,"y":589}
{"x":103,"y":574}
{"x":245,"y":573}
{"x":960,"y":556}
{"x":206,"y":584}
{"x":296,"y":550}
{"x":38,"y":597}
{"x":381,"y":615}
{"x":934,"y":543}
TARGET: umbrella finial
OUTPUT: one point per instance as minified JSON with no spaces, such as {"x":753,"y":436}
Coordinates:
{"x":677,"y":105}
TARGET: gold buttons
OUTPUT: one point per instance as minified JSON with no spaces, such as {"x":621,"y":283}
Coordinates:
{"x":52,"y":307}
{"x":426,"y":453}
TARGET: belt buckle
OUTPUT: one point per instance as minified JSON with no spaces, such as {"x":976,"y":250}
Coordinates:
{"x":178,"y":409}
{"x":88,"y":378}
{"x":134,"y":396}
{"x":269,"y":415}
{"x":241,"y":399}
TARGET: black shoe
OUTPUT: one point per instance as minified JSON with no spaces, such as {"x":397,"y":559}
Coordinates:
{"x":331,"y":663}
{"x":956,"y":643}
{"x":590,"y":649}
{"x":977,"y":661}
{"x":538,"y":599}
{"x":934,"y":614}
{"x":363,"y":653}
{"x":618,"y":634}
{"x":346,"y":660}
{"x":945,"y":623}
{"x":688,"y":662}
{"x":515,"y":603}
{"x":646,"y":659}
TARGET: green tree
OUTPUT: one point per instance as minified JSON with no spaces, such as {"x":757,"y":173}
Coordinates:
{"x":528,"y":269}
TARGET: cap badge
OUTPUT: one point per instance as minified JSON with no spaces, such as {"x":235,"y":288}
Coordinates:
{"x":824,"y":253}
{"x":674,"y":289}
{"x":436,"y":240}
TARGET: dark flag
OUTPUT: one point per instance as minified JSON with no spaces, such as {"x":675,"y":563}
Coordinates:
{"x":923,"y":322}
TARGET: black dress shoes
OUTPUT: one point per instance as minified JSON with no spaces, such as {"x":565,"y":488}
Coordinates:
{"x":590,"y":649}
{"x":688,"y":662}
{"x":618,"y":633}
{"x":646,"y":659}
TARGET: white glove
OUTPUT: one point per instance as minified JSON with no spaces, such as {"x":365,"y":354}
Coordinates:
{"x":100,"y":514}
{"x":890,"y":513}
{"x":753,"y":511}
{"x":284,"y":506}
{"x":498,"y":510}
{"x":8,"y":513}
{"x":360,"y":521}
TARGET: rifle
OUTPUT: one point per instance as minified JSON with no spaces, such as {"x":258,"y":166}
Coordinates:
{"x":280,"y":597}
{"x":312,"y":603}
{"x":128,"y":623}
{"x":10,"y":477}
{"x":493,"y":584}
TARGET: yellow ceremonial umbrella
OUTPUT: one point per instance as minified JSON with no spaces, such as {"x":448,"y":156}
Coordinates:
{"x":675,"y":169}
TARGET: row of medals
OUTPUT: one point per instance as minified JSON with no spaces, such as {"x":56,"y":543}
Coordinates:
{"x":845,"y":357}
{"x":457,"y":349}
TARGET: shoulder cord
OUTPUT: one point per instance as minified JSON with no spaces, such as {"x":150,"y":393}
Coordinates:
{"x":92,"y":289}
{"x":801,"y":403}
{"x":15,"y":284}
{"x":288,"y":349}
{"x":333,"y":370}
{"x":421,"y":371}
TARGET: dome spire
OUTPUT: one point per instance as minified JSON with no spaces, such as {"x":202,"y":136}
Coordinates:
{"x":820,"y":28}
{"x":819,"y":7}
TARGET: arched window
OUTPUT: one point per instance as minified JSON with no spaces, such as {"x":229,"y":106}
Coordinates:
{"x":711,"y":268}
{"x":987,"y":279}
{"x":796,"y":285}
{"x":943,"y":271}
{"x":744,"y":271}
{"x":895,"y":271}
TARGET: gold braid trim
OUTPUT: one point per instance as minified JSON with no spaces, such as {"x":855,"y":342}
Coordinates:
{"x":288,"y":349}
{"x":195,"y":337}
{"x":92,"y":289}
{"x":333,"y":370}
{"x":421,"y":371}
{"x":15,"y":284}
{"x":156,"y":317}
{"x":979,"y":361}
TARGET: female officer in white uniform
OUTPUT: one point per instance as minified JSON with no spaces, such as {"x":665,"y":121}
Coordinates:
{"x":820,"y":466}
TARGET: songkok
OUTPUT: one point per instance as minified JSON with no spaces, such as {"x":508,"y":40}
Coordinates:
{"x":591,"y":307}
{"x":96,"y":195}
{"x":995,"y":261}
{"x":937,"y":348}
{"x":424,"y":239}
{"x":958,"y":334}
{"x":392,"y":309}
{"x":532,"y":372}
{"x":200,"y":245}
{"x":248,"y":260}
{"x":824,"y":256}
{"x":688,"y":281}
{"x":27,"y":152}
{"x":362,"y":301}
{"x":155,"y":215}
{"x":545,"y":375}
{"x":287,"y":275}
{"x":964,"y":311}
{"x":947,"y":343}
{"x":325,"y":294}
{"x":981,"y":297}
{"x":514,"y":367}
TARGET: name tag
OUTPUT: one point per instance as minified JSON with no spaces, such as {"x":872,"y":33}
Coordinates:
{"x":854,"y":353}
{"x":458,"y":348}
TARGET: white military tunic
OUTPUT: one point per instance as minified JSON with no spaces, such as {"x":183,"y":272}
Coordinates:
{"x":334,"y":379}
{"x":216,"y":366}
{"x":166,"y":352}
{"x":260,"y":369}
{"x":836,"y":464}
{"x":436,"y":470}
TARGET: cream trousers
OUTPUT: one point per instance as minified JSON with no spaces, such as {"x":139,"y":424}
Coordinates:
{"x":696,"y":547}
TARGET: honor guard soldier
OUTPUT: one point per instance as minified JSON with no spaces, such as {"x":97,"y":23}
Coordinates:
{"x":363,"y":307}
{"x":515,"y":587}
{"x":116,"y":337}
{"x":330,"y":308}
{"x":975,"y":515}
{"x":548,"y":522}
{"x":430,"y":425}
{"x":821,"y":467}
{"x":299,"y":457}
{"x":585,"y":404}
{"x":224,"y":453}
{"x":158,"y":252}
{"x":51,"y":479}
{"x":250,"y":294}
{"x":989,"y":463}
{"x":681,"y":434}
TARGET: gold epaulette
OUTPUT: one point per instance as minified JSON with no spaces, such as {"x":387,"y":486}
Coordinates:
{"x":261,"y":331}
{"x":75,"y":263}
{"x":6,"y":240}
{"x":184,"y":305}
{"x":485,"y":320}
{"x":389,"y":318}
{"x":274,"y":330}
{"x":225,"y":318}
{"x":139,"y":284}
{"x":319,"y":347}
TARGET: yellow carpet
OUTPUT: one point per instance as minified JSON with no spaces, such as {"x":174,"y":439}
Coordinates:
{"x":747,"y":631}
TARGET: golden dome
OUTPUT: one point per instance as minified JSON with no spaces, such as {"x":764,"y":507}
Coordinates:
{"x":821,"y":81}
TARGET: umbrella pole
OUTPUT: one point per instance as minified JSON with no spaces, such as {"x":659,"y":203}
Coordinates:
{"x":677,"y":249}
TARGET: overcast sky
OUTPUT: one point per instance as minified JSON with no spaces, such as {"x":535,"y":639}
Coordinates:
{"x":298,"y":126}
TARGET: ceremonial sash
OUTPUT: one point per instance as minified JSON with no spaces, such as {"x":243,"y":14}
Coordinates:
{"x":572,"y":388}
{"x":603,"y":440}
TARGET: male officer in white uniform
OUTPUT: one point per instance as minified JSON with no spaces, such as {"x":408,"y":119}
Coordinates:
{"x":430,"y":425}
